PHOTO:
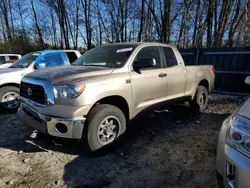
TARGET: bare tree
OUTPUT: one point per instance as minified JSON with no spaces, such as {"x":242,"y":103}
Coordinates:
{"x":20,"y":9}
{"x":186,"y":23}
{"x":209,"y":22}
{"x":87,"y":16}
{"x":4,"y":6}
{"x":141,"y":21}
{"x":223,"y":19}
{"x":53,"y":25}
{"x":77,"y":23}
{"x":196,"y":22}
{"x":237,"y":18}
{"x":166,"y":21}
{"x":148,"y":32}
{"x":37,"y":25}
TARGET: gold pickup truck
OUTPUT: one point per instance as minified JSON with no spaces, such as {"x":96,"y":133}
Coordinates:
{"x":95,"y":98}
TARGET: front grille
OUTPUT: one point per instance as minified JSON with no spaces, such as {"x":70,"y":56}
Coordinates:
{"x":37,"y":93}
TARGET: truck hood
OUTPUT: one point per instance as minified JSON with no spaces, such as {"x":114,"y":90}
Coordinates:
{"x":68,"y":74}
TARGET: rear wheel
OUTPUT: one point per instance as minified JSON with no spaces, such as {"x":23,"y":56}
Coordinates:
{"x":200,"y":100}
{"x":104,"y":124}
{"x":8,"y":98}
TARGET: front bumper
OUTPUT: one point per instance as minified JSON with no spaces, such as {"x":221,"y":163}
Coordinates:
{"x":241,"y":168}
{"x":241,"y":163}
{"x":72,"y":127}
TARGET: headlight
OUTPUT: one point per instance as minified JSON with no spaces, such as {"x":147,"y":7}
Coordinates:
{"x":238,"y":135}
{"x":67,"y":91}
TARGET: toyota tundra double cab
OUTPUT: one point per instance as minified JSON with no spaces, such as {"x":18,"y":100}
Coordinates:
{"x":108,"y":86}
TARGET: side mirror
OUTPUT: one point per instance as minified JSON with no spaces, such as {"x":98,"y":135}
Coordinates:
{"x":247,"y":80}
{"x":39,"y":66}
{"x":143,"y":63}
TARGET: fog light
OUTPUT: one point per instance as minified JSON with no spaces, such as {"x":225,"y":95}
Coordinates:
{"x":61,"y":128}
{"x":230,"y":177}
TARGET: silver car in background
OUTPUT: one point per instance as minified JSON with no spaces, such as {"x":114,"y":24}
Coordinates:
{"x":233,"y":150}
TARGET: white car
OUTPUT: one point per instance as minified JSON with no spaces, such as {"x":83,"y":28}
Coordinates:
{"x":10,"y":78}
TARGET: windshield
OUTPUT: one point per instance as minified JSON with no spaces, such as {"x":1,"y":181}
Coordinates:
{"x":25,"y":61}
{"x":51,"y":58}
{"x":2,"y":59}
{"x":113,"y":56}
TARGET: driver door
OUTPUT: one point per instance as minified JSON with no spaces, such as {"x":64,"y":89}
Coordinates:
{"x":149,"y":85}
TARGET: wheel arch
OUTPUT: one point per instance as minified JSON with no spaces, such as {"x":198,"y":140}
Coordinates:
{"x":10,"y":84}
{"x":116,"y":100}
{"x":205,"y":83}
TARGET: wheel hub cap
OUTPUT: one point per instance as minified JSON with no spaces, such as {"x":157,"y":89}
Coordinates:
{"x":203,"y":99}
{"x":9,"y":100}
{"x":108,"y":130}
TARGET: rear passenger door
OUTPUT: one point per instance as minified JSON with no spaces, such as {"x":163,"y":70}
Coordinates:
{"x":176,"y":74}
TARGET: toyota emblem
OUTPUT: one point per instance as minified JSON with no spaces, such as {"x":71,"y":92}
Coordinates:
{"x":29,"y":91}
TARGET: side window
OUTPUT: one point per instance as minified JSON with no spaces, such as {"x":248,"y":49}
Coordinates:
{"x":72,"y":56}
{"x":170,"y":57}
{"x":2,"y":59}
{"x":13,"y":57}
{"x":151,"y":51}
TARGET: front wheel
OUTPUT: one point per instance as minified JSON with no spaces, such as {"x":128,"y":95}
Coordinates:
{"x":104,"y":125}
{"x":200,"y":100}
{"x":8,"y":98}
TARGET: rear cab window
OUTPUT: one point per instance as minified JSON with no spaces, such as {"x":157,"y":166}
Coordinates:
{"x":170,"y":57}
{"x":13,"y":57}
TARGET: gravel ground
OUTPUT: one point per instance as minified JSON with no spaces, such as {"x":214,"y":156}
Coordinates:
{"x":166,"y":148}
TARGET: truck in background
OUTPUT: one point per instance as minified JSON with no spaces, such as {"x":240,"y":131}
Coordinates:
{"x":10,"y":78}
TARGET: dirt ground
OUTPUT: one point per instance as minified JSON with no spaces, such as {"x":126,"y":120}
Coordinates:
{"x":166,"y":148}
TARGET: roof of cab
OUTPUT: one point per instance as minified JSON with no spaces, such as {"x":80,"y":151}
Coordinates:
{"x":137,"y":44}
{"x":10,"y":55}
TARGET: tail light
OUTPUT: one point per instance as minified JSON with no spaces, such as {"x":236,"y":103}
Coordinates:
{"x":213,"y":70}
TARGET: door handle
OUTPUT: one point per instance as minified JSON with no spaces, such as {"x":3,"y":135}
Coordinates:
{"x":162,"y":75}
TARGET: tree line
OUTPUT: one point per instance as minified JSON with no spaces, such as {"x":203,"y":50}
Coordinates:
{"x":28,"y":25}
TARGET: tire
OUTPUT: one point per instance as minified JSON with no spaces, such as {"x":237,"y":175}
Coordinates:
{"x":97,"y":128}
{"x":200,"y":100}
{"x":9,"y":91}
